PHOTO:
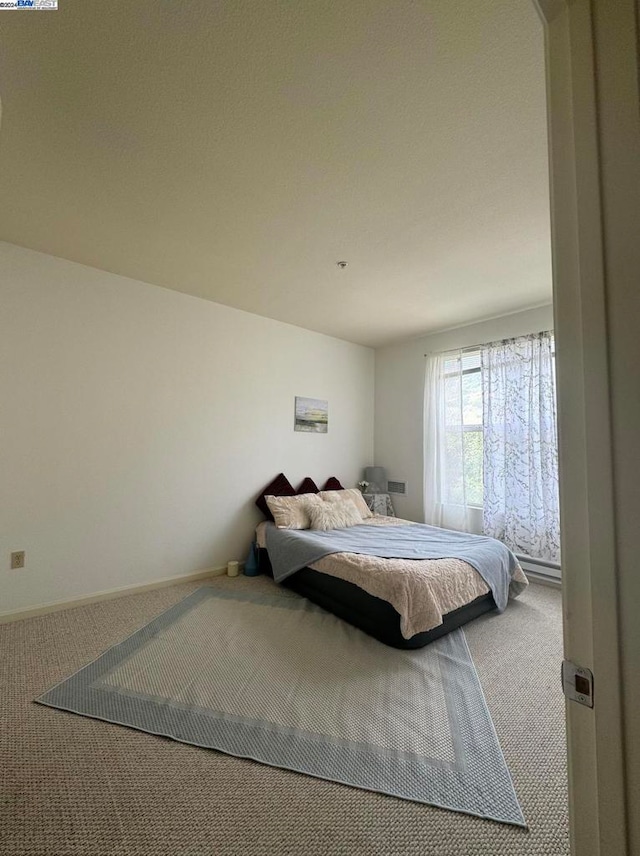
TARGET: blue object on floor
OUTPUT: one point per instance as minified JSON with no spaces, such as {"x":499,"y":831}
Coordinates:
{"x":252,"y":565}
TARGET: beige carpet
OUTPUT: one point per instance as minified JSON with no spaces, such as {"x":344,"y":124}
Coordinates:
{"x":72,"y":785}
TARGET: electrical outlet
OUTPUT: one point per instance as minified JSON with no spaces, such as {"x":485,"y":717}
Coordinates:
{"x":17,"y":560}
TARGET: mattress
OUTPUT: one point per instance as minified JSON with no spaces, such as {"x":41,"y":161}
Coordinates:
{"x":374,"y":616}
{"x":416,"y":600}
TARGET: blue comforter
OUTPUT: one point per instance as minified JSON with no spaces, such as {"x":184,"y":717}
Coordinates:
{"x":290,"y":550}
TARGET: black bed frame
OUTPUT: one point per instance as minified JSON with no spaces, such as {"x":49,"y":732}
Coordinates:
{"x":371,"y":614}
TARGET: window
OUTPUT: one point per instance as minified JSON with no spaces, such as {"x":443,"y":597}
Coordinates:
{"x":463,"y":426}
{"x":491,"y":451}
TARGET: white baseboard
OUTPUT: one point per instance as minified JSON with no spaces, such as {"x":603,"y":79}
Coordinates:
{"x":83,"y":600}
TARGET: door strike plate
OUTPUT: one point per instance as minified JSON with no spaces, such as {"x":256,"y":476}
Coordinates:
{"x":577,"y":683}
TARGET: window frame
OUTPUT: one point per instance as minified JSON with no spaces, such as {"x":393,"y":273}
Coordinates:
{"x":475,"y":427}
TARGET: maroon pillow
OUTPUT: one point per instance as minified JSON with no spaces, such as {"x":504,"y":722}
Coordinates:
{"x":332,"y":484}
{"x":308,"y":486}
{"x":280,"y":486}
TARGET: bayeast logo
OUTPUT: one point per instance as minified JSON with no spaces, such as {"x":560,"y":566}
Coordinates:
{"x":28,"y":4}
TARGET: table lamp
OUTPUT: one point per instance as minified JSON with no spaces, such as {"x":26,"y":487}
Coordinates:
{"x":377,"y":478}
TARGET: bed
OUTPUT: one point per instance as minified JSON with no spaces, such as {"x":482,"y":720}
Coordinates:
{"x":402,"y":602}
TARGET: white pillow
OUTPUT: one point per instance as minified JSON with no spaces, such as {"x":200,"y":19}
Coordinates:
{"x":334,"y":515}
{"x":292,"y":512}
{"x":350,"y":494}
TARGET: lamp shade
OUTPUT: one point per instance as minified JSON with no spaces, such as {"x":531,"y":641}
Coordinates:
{"x":377,"y":478}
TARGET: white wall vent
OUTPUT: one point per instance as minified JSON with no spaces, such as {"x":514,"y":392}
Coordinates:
{"x":397,"y":487}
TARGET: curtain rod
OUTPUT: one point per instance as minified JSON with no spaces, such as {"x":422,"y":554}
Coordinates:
{"x":462,"y":350}
{"x":482,"y":344}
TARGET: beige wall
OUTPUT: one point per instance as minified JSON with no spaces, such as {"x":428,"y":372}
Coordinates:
{"x":399,"y":396}
{"x":137,"y":424}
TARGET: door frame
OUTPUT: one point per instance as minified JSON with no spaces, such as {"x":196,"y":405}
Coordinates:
{"x":578,"y":45}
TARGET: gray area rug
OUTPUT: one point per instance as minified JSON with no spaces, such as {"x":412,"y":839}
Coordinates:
{"x":274,"y":678}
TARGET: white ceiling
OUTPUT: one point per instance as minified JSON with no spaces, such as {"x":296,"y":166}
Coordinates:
{"x":237,"y":149}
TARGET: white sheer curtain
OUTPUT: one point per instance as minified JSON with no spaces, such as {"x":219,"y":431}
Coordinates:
{"x":521,"y":504}
{"x":445,"y":481}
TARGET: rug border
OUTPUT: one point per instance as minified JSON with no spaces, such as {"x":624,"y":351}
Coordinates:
{"x":225,"y":738}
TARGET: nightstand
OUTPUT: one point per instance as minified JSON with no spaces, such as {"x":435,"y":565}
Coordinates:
{"x":379,"y":503}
